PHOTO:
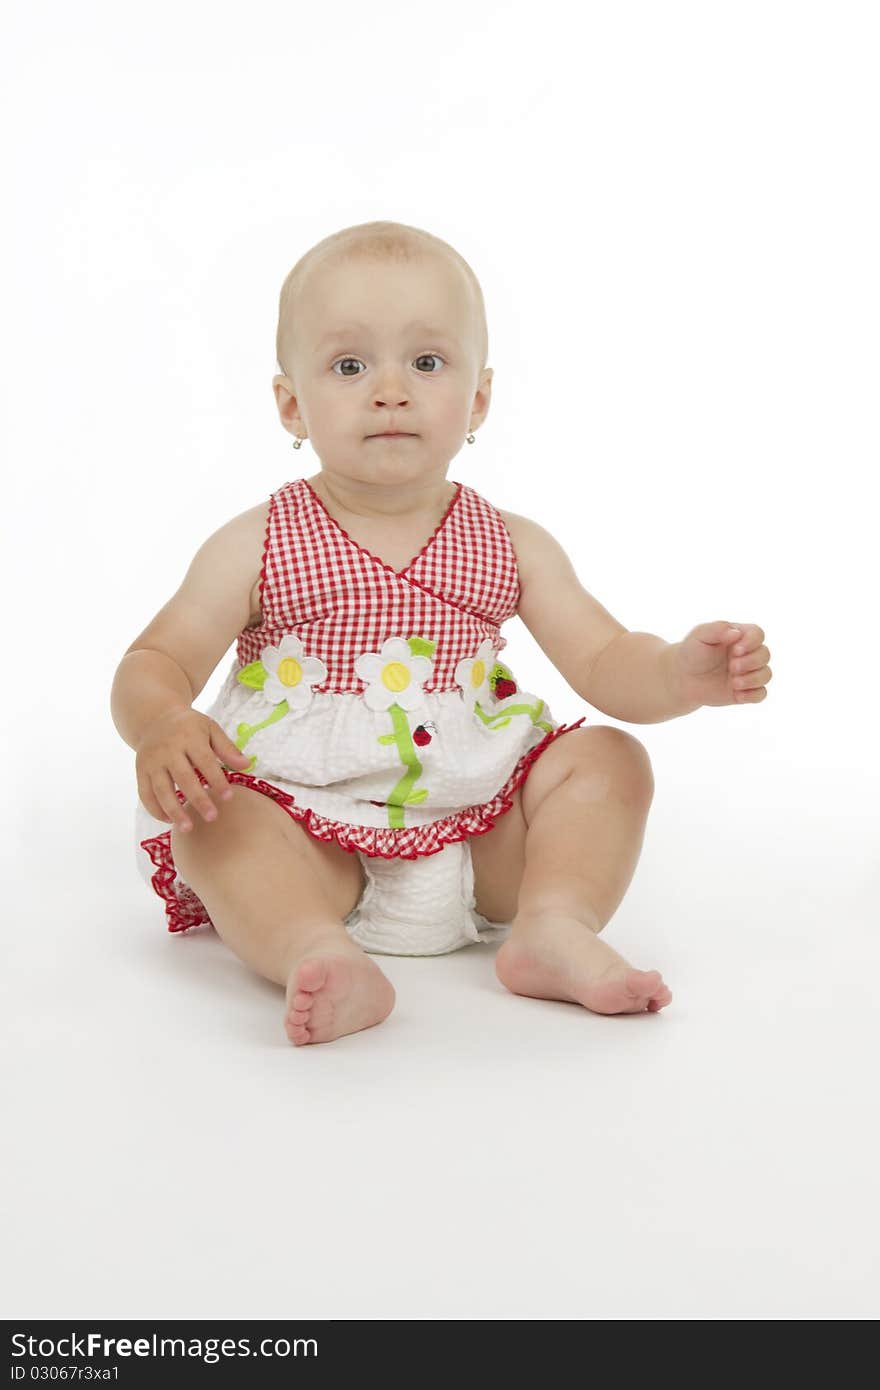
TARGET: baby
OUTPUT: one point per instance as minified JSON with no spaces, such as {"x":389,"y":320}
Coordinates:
{"x":372,"y":779}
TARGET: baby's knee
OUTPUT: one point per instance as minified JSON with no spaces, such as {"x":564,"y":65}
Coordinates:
{"x":610,"y":761}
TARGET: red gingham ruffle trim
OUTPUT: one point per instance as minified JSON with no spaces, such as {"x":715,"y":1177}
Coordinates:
{"x":183,"y":909}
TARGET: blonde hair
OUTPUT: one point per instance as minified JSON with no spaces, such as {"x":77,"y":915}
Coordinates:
{"x":381,"y":241}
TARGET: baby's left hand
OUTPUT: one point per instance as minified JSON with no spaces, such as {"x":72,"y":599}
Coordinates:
{"x":723,"y":664}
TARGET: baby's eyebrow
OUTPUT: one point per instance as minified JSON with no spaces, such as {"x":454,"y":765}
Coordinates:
{"x":349,"y":328}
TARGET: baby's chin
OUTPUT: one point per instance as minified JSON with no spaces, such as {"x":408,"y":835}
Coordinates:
{"x":383,"y":461}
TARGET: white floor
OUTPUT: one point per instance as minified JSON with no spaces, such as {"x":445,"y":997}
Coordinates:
{"x":479,"y":1155}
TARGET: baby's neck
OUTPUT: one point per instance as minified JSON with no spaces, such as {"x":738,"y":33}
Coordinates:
{"x":378,"y":502}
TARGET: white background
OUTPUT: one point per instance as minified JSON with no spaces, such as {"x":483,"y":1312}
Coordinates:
{"x":673,"y":212}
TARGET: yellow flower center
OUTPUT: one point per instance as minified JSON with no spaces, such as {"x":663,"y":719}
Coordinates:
{"x":478,"y":673}
{"x":289,"y":671}
{"x":395,"y":676}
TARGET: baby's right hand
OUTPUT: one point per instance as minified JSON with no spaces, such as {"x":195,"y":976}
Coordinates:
{"x":170,"y":750}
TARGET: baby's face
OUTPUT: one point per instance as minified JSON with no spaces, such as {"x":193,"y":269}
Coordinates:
{"x":385,"y":346}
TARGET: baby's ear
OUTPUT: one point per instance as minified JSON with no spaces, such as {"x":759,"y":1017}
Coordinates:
{"x":285,"y":399}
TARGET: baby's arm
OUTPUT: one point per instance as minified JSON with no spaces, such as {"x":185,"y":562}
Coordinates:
{"x":632,"y":676}
{"x":567,"y":623}
{"x":169,"y":663}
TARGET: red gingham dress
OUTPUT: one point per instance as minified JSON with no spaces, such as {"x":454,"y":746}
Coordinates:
{"x":372,"y":700}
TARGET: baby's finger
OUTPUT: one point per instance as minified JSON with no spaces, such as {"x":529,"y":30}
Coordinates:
{"x":184,"y":775}
{"x":754,"y":680}
{"x":163,"y":788}
{"x":753,"y":661}
{"x":205,"y":759}
{"x":149,"y":802}
{"x":752,"y":636}
{"x":226,"y":750}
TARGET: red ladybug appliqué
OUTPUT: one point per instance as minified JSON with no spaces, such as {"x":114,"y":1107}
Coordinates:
{"x":422,"y":735}
{"x":503,"y":688}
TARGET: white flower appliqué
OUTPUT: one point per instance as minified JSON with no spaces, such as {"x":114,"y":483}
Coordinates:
{"x":395,"y":676}
{"x":472,"y":674}
{"x":290,"y":675}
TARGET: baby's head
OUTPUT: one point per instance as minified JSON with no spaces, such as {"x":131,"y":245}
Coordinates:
{"x":381,"y":327}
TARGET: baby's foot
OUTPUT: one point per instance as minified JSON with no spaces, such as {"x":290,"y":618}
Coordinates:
{"x":561,"y":958}
{"x":333,"y":989}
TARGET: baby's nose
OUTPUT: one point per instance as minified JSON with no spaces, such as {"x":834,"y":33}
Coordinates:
{"x":391,"y":385}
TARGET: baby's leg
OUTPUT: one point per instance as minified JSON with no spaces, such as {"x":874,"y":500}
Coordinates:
{"x":277,"y":897}
{"x":573,"y":843}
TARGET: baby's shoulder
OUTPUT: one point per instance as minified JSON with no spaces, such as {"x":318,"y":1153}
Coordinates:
{"x":237,"y":550}
{"x":530,"y":541}
{"x":253,"y":524}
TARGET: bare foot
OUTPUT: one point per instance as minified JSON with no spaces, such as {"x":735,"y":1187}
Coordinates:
{"x":335,"y":989}
{"x":561,"y":958}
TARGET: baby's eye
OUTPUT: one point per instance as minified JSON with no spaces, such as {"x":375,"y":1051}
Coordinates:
{"x":341,"y":363}
{"x":423,"y":357}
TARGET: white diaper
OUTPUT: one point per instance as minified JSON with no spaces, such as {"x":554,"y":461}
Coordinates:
{"x":420,"y":907}
{"x":409,"y":907}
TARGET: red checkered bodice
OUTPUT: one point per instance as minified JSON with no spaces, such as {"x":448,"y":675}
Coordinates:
{"x":341,"y":601}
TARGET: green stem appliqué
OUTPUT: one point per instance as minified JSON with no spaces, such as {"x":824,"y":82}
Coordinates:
{"x":404,"y":792}
{"x":254,"y":677}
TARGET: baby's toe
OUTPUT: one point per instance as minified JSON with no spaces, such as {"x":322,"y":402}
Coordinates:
{"x":644,"y":989}
{"x":662,"y":997}
{"x":311,"y":975}
{"x":643,"y":982}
